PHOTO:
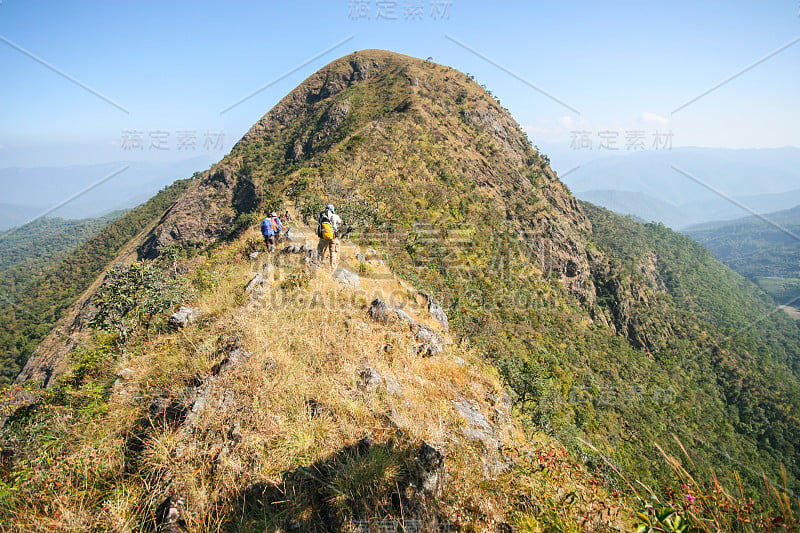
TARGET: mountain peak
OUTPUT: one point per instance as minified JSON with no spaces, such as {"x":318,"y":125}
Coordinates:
{"x":372,"y":124}
{"x":611,"y":336}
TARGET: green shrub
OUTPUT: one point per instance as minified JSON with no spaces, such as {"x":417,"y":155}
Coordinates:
{"x":135,"y":297}
{"x":296,"y":280}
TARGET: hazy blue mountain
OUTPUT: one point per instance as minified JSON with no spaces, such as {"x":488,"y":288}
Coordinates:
{"x":640,"y":205}
{"x":29,"y":192}
{"x":684,"y":216}
{"x":732,"y":172}
{"x":645,"y":183}
{"x":721,"y":210}
{"x":14,"y":214}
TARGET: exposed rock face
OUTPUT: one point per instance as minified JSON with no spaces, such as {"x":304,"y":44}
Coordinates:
{"x":436,"y":311}
{"x":431,"y":342}
{"x":203,"y":213}
{"x":49,"y":361}
{"x":319,"y":86}
{"x":626,"y":298}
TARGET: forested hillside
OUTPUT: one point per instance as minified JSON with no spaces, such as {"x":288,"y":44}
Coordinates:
{"x":40,"y":297}
{"x":765,"y":251}
{"x":28,"y":250}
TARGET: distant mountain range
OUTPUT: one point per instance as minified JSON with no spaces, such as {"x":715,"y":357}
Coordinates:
{"x":30,"y":192}
{"x":646,"y":184}
{"x":765,"y":250}
{"x":650,"y":209}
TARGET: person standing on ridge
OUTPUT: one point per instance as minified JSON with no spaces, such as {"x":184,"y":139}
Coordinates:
{"x":278,"y":225}
{"x":328,"y":223}
{"x":271,"y":230}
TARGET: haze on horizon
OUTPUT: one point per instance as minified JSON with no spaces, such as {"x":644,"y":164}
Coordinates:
{"x":145,"y":81}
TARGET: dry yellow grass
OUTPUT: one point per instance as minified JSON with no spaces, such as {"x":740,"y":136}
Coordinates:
{"x":297,"y":400}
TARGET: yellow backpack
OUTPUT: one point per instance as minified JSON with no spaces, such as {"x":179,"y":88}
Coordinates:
{"x":326,"y":231}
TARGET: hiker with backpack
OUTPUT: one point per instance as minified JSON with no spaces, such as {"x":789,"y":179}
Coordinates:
{"x":327,"y":230}
{"x":271,"y":230}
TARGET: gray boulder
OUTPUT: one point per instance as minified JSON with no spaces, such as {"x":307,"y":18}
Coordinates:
{"x":124,"y":373}
{"x":436,"y":311}
{"x":474,"y":417}
{"x":431,"y":342}
{"x":293,"y":249}
{"x":312,"y":257}
{"x":169,"y":516}
{"x":255,"y":283}
{"x":429,"y":463}
{"x":403,"y":316}
{"x":393,"y":386}
{"x":185,"y":316}
{"x":346,"y":278}
{"x":294,"y":235}
{"x":236,"y":357}
{"x":370,"y":378}
{"x":380,"y":311}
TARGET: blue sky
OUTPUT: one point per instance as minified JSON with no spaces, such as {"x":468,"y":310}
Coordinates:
{"x":619,"y":66}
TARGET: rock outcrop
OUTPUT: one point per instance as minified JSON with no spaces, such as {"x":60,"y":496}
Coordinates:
{"x":204,"y":212}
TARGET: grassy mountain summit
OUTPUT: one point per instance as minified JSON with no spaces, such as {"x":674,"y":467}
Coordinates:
{"x":401,"y":141}
{"x":611,"y":337}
